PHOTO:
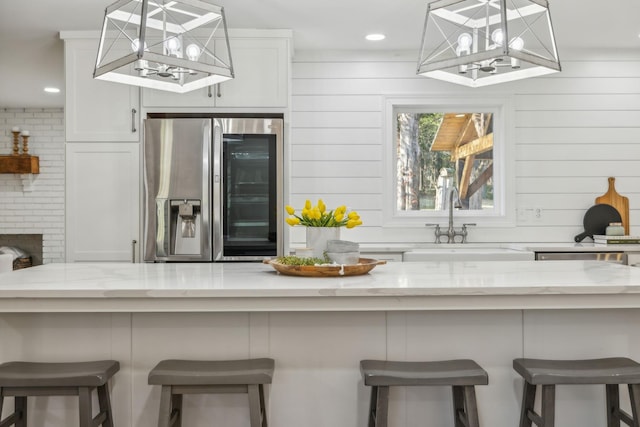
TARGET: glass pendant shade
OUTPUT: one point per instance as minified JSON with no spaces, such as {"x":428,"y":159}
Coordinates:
{"x":171,"y":45}
{"x":482,"y":42}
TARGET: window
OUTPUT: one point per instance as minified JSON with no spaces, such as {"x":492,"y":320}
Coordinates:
{"x":442,"y":151}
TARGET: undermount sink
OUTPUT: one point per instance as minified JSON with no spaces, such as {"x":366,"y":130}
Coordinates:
{"x":466,"y":253}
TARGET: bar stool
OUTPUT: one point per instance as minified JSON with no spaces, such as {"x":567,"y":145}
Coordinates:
{"x":23,"y":379}
{"x":180,"y":377}
{"x":462,"y":375}
{"x":611,"y":372}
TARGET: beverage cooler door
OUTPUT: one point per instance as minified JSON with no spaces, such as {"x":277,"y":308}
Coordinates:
{"x":250,"y":188}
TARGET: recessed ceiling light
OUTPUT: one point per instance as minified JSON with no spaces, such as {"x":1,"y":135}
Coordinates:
{"x":375,"y":37}
{"x":52,"y":90}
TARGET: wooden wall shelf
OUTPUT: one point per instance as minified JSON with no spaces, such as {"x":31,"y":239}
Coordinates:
{"x":20,"y":164}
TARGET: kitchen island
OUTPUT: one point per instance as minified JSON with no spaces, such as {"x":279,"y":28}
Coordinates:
{"x":317,"y":330}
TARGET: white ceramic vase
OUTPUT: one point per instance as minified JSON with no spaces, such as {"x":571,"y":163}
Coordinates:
{"x":317,"y":238}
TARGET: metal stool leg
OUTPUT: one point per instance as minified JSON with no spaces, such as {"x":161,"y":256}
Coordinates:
{"x":613,"y":405}
{"x":104,"y":402}
{"x":528,"y":400}
{"x":176,"y":410}
{"x":548,"y":405}
{"x":21,"y":410}
{"x":263,"y":407}
{"x":84,"y":405}
{"x":164,"y":415}
{"x":458,"y":406}
{"x":254,"y":405}
{"x":382,"y":406}
{"x":373,"y":399}
{"x":634,"y":397}
{"x":471,"y":406}
{"x":19,"y":416}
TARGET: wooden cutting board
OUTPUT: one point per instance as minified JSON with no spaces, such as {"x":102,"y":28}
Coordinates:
{"x":621,"y":203}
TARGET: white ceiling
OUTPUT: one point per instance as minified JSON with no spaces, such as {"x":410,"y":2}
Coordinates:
{"x":31,"y":54}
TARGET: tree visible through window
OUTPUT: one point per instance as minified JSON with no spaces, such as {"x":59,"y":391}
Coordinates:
{"x":439,"y":151}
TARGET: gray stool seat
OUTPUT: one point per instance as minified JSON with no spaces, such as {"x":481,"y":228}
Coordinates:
{"x":461,"y":375}
{"x":610,"y":372}
{"x":22,"y":379}
{"x":437,"y":373}
{"x":193,"y":372}
{"x":80,"y":374}
{"x":180,"y":377}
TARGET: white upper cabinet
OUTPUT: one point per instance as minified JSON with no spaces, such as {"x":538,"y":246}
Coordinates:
{"x":261,"y":68}
{"x":261,"y":74}
{"x":96,"y":110}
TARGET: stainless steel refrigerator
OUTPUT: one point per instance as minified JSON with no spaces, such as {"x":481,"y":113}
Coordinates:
{"x":212,"y":188}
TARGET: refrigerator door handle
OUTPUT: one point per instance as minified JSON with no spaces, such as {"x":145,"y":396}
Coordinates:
{"x":205,"y":242}
{"x":163,"y":225}
{"x":217,"y":244}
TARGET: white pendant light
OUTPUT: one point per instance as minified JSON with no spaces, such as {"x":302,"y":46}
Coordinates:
{"x":482,"y":42}
{"x":172,"y":45}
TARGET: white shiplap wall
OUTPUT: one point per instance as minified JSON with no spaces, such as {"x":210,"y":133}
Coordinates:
{"x":572,"y":130}
{"x":41,"y":210}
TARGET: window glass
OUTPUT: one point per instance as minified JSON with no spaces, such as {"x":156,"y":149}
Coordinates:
{"x":440,"y":155}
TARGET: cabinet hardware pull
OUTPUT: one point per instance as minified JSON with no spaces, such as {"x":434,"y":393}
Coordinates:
{"x":209,"y":94}
{"x":133,"y":120}
{"x":133,"y":251}
{"x":218,"y":91}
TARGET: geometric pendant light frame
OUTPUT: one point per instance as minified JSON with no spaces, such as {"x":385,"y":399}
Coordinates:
{"x":482,"y":42}
{"x":171,"y":45}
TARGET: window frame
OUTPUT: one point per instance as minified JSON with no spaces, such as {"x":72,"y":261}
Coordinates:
{"x":503,"y":213}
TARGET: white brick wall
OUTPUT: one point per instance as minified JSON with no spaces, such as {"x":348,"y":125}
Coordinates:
{"x":40,"y":211}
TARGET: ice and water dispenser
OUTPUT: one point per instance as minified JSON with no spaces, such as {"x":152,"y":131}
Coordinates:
{"x":186,"y":227}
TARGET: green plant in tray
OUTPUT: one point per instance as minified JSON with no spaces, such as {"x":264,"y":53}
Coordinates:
{"x":296,"y":260}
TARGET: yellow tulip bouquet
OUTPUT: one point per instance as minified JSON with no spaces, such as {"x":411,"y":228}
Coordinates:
{"x":318,"y":216}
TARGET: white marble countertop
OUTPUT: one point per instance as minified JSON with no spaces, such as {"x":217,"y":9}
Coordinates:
{"x":522,"y":246}
{"x":227,"y":287}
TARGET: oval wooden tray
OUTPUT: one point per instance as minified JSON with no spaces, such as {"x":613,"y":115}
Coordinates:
{"x":363,"y":266}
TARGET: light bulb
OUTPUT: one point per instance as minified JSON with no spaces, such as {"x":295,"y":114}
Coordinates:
{"x":135,"y":45}
{"x":497,"y":36}
{"x":172,"y":45}
{"x":193,"y":52}
{"x":464,"y":41}
{"x":464,"y":44}
{"x":517,"y":43}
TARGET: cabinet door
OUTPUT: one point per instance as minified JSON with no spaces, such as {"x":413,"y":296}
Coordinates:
{"x":103,"y":201}
{"x":96,"y":110}
{"x":261,"y":68}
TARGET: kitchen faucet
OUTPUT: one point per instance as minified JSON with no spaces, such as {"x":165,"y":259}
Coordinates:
{"x":451,"y":232}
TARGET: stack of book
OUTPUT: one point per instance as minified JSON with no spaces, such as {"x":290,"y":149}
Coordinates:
{"x":616,"y":240}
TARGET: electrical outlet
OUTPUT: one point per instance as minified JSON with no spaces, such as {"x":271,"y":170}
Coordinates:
{"x":537,"y":213}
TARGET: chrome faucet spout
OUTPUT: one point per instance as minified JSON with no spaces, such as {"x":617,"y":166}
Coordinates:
{"x":450,"y":230}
